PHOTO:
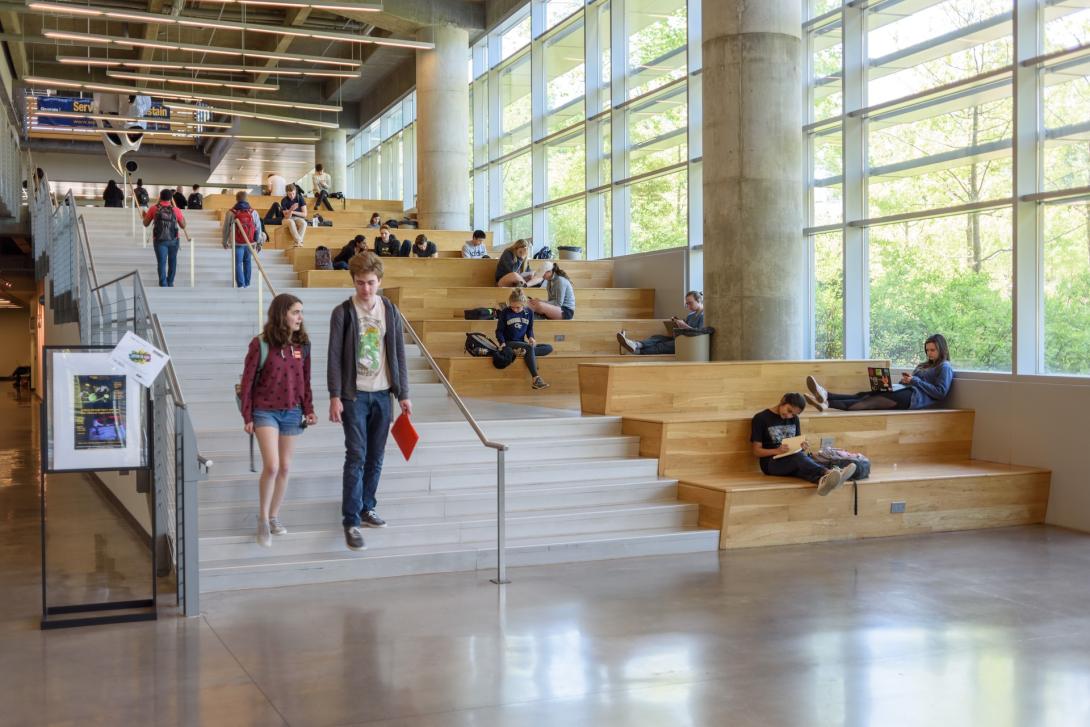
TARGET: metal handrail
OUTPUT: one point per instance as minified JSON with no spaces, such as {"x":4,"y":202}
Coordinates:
{"x":501,"y":450}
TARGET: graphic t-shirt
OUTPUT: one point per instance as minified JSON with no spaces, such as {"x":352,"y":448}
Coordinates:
{"x":371,"y":370}
{"x":770,"y":429}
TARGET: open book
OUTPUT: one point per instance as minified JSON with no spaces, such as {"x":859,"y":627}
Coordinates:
{"x":794,"y":444}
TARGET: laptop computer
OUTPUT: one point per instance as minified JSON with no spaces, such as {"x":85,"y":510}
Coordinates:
{"x":881,"y":379}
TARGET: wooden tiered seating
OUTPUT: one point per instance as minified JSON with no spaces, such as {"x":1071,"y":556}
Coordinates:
{"x":391,"y":207}
{"x":638,"y":386}
{"x":695,"y":418}
{"x":419,"y":303}
{"x":585,"y":338}
{"x":919,"y":458}
{"x":399,"y":272}
{"x":478,"y":377}
{"x":302,"y":258}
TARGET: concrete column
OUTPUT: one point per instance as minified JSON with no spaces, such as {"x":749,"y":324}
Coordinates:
{"x":442,"y":129}
{"x":332,"y":154}
{"x":755,"y":262}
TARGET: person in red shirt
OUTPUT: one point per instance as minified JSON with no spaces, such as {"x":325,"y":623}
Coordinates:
{"x":277,"y":404}
{"x":168,"y":220}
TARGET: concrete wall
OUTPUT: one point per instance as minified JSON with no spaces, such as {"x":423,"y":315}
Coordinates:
{"x":78,"y":167}
{"x":16,"y":342}
{"x":667,"y":271}
{"x":1034,"y":421}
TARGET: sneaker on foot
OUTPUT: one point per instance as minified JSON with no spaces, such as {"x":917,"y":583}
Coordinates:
{"x":626,"y":344}
{"x":820,"y":406}
{"x":276,"y":527}
{"x":829,"y":482}
{"x":819,"y":392}
{"x":372,"y":520}
{"x":847,"y":471}
{"x":264,"y":537}
{"x":539,"y":383}
{"x":353,"y":538}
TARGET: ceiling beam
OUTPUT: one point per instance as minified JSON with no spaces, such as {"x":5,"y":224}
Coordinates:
{"x":151,"y":32}
{"x":293,"y":17}
{"x":12,"y":25}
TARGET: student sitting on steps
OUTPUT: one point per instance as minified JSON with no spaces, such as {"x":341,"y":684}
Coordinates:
{"x":561,"y":302}
{"x":771,"y":427}
{"x":354,"y":247}
{"x":928,"y":383}
{"x":515,"y":331}
{"x":386,"y":245}
{"x":420,"y":247}
{"x":376,"y":220}
{"x":694,"y":303}
{"x":513,"y":267}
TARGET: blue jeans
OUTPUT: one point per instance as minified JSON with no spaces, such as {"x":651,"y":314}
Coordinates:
{"x":366,"y":422}
{"x":242,"y":265}
{"x":657,"y":345}
{"x":166,"y":258}
{"x":799,"y":465}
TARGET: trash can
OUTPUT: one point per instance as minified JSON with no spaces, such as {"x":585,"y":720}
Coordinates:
{"x":693,"y":348}
{"x":570,"y":252}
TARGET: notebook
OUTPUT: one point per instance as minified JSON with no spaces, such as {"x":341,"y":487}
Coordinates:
{"x":405,"y":435}
{"x":794,"y":444}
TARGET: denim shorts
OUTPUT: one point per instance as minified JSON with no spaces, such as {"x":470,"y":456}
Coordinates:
{"x":287,"y":421}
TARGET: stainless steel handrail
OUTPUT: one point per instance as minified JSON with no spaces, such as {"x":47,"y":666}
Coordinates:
{"x":501,"y":450}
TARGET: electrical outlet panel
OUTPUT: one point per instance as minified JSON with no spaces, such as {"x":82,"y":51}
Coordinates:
{"x":895,"y":507}
{"x":558,"y":339}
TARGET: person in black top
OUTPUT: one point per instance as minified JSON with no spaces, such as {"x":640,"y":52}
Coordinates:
{"x":113,"y":196}
{"x":771,"y":427}
{"x":386,"y":245}
{"x":179,"y":198}
{"x":294,"y":209}
{"x":141,"y":194}
{"x":421,"y":247}
{"x":355,"y":246}
{"x":196,"y":199}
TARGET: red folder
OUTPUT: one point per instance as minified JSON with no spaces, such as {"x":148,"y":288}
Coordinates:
{"x":405,"y":435}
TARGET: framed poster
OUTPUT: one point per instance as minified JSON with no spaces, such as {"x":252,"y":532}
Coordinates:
{"x":95,"y":413}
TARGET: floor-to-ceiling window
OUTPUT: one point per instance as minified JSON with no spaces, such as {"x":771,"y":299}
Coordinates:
{"x":581,"y":116}
{"x":382,"y":156}
{"x":949,"y":180}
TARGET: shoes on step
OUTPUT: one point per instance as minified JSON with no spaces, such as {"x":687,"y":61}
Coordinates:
{"x":353,"y":538}
{"x":371,"y":519}
{"x":264,"y":536}
{"x":830,"y":482}
{"x":819,"y":392}
{"x":626,"y":344}
{"x":539,"y":383}
{"x":276,"y":527}
{"x":846,"y":472}
{"x":820,"y":406}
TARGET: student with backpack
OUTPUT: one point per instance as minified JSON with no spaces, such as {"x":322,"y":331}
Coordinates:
{"x":179,"y":198}
{"x":354,"y":247}
{"x":141,"y":194}
{"x":768,"y":431}
{"x":250,"y":224}
{"x":515,"y":333}
{"x":196,"y":199}
{"x":277,"y":404}
{"x":365,"y":368}
{"x":113,"y":196}
{"x":167,"y":220}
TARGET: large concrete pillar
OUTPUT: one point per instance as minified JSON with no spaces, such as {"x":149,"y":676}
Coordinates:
{"x":754,"y":253}
{"x":332,"y":154}
{"x":442,"y":129}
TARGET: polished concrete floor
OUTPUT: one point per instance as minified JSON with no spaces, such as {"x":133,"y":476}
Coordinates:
{"x":986,"y":628}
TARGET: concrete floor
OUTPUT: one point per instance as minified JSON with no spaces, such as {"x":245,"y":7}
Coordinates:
{"x":985,"y":628}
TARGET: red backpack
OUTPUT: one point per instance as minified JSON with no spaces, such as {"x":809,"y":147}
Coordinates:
{"x":245,"y":219}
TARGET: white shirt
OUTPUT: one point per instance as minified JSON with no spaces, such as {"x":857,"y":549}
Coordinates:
{"x":472,"y":249}
{"x":278,"y":186}
{"x":322,"y":182}
{"x":372,"y":371}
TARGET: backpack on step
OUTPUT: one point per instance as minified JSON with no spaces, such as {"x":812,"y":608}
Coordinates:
{"x":478,"y":344}
{"x":165,"y":227}
{"x":322,"y":259}
{"x":480,"y":314}
{"x":833,"y":457}
{"x":545,"y":253}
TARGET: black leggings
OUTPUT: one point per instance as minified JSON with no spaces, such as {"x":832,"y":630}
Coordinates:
{"x":531,"y":353}
{"x":900,"y":399}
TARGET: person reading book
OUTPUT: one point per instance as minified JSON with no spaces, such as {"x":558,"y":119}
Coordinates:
{"x":777,"y":441}
{"x":694,"y":304}
{"x":928,"y":383}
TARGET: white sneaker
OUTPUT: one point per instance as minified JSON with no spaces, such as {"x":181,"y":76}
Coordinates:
{"x":264,"y":536}
{"x":819,"y":392}
{"x":830,"y":482}
{"x":276,"y":527}
{"x":847,"y":472}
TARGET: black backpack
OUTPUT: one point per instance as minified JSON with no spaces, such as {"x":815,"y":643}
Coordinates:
{"x":141,"y":196}
{"x":165,"y":227}
{"x":478,"y":344}
{"x":480,"y":314}
{"x":322,"y":259}
{"x":545,"y":253}
{"x":196,"y":201}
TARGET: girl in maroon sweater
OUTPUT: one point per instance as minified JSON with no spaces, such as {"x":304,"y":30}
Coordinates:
{"x":277,"y":404}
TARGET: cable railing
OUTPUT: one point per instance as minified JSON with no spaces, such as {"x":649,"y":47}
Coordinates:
{"x":501,"y":451}
{"x":105,"y":312}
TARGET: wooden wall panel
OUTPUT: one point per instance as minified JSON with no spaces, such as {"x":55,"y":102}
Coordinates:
{"x":580,"y":337}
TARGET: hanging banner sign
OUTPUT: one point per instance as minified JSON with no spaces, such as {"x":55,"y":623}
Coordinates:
{"x":157,"y":112}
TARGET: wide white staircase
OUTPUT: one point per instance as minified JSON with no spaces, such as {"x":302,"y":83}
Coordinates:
{"x":577,"y":488}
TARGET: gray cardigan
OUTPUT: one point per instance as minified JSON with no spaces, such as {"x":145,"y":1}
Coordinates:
{"x":344,"y":336}
{"x":561,"y":292}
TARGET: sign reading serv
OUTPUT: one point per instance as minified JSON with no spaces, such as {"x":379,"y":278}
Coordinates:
{"x":85,"y":106}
